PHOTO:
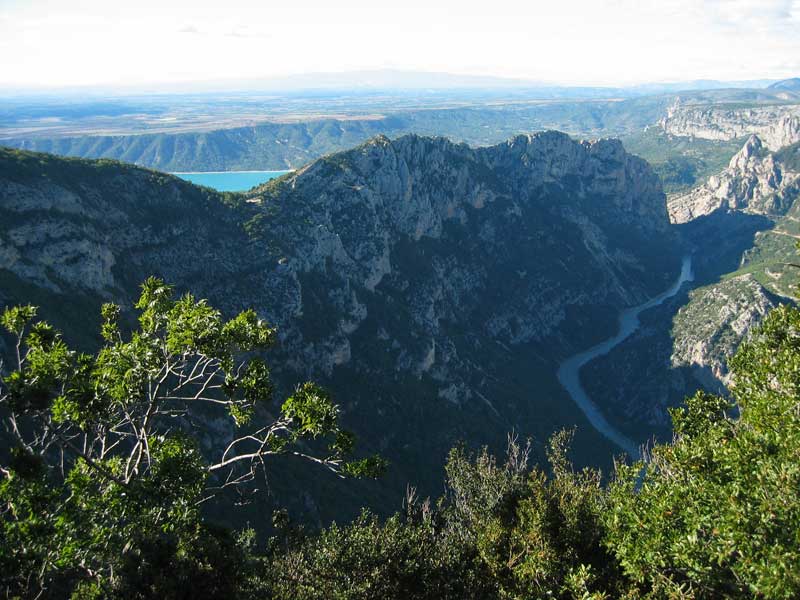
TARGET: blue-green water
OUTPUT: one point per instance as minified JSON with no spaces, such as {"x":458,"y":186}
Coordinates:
{"x":231,"y":181}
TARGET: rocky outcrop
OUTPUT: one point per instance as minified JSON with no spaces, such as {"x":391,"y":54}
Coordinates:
{"x":709,"y":328}
{"x":599,"y":168}
{"x":72,"y":226}
{"x":431,"y":286}
{"x":754,"y":182}
{"x":776,"y":125}
{"x":433,"y":224}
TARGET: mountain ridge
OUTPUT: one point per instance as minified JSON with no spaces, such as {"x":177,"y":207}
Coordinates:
{"x":792,"y":84}
{"x":755,"y":181}
{"x":742,"y":226}
{"x":431,"y":286}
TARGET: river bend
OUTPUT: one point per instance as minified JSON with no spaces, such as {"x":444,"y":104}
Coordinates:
{"x":569,"y":371}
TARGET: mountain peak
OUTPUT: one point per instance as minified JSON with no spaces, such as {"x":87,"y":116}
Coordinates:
{"x":752,"y":147}
{"x":379,"y":140}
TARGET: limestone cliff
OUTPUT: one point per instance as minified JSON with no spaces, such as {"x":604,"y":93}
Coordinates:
{"x":742,"y":227}
{"x":777,"y":125}
{"x":754,"y":182}
{"x":432,"y":286}
{"x":511,"y":234}
{"x":709,"y":328}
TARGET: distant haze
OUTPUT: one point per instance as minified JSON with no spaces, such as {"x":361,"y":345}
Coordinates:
{"x":63,"y":43}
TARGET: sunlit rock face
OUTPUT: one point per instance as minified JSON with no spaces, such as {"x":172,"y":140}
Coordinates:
{"x":754,"y":182}
{"x":777,"y":126}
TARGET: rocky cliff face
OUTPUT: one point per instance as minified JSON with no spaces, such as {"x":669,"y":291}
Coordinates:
{"x":754,"y":182}
{"x":505,"y":234}
{"x":76,"y":233}
{"x":709,"y":328}
{"x":432,"y":286}
{"x":776,"y":125}
{"x":95,"y":228}
{"x":742,"y":227}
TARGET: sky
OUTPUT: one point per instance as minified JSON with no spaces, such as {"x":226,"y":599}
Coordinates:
{"x":54,"y":43}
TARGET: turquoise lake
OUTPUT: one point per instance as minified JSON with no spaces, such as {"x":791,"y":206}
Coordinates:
{"x":231,"y":181}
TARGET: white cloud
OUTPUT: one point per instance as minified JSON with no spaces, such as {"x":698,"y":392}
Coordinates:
{"x":68,"y":42}
{"x":772,"y":17}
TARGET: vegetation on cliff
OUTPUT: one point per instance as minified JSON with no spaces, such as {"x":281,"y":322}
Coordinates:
{"x":103,"y":493}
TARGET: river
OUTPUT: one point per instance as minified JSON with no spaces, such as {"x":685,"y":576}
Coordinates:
{"x":569,"y":371}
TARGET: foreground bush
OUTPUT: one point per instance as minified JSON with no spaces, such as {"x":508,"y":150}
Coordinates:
{"x":101,"y":492}
{"x":502,"y":530}
{"x":714,"y":514}
{"x":100,"y":498}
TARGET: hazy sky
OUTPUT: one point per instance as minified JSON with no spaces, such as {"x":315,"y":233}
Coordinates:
{"x":66,"y":42}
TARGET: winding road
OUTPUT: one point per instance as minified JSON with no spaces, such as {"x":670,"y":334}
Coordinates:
{"x":569,"y":371}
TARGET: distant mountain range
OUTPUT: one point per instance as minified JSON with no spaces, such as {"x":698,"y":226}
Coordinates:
{"x":273,"y":146}
{"x":395,"y":79}
{"x":792,"y":85}
{"x":399,"y":79}
{"x":181,"y":134}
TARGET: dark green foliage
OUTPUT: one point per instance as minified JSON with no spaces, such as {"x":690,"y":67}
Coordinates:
{"x":677,"y":172}
{"x":714,"y":514}
{"x":101,"y":495}
{"x":717,"y":513}
{"x":539,"y":535}
{"x":406,"y":557}
{"x":500,"y":531}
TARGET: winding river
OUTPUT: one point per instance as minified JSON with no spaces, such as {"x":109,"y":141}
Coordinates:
{"x":569,"y":371}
